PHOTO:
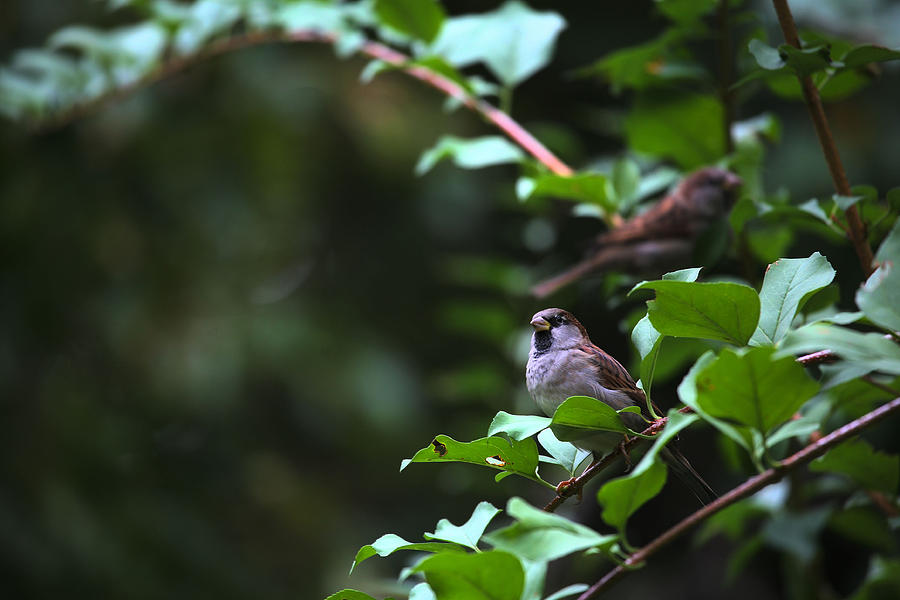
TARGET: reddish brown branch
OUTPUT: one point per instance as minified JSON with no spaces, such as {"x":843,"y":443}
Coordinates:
{"x":746,"y":489}
{"x":495,"y":116}
{"x":857,"y":229}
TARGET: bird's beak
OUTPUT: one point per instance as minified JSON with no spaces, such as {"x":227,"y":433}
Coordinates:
{"x":732,"y":181}
{"x":540,"y":324}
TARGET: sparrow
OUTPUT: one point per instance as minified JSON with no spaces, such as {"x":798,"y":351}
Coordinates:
{"x":563,"y":362}
{"x":661,"y":238}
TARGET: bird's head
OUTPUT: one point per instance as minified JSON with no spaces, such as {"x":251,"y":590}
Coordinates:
{"x":556,"y":328}
{"x":713,"y":190}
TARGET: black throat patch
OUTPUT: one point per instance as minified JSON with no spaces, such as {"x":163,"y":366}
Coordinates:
{"x":542,"y":341}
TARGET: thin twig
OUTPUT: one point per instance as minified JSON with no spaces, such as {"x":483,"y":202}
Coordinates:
{"x":826,"y":141}
{"x":375,"y":50}
{"x":817,"y":358}
{"x":875,"y":383}
{"x":746,"y":489}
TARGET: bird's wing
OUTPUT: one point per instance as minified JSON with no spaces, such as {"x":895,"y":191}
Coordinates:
{"x":613,"y":376}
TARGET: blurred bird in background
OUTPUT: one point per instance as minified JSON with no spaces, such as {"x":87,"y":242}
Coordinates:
{"x":664,"y":237}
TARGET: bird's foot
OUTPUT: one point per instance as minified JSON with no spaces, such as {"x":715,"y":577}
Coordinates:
{"x":564,"y":488}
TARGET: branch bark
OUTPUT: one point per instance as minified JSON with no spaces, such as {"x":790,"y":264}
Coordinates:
{"x":857,"y":229}
{"x":746,"y":489}
{"x":376,"y":50}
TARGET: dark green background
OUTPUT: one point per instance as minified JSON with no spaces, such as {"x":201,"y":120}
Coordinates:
{"x":228,"y":310}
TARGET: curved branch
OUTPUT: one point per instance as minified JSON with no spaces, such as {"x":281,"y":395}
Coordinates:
{"x":857,"y":229}
{"x":375,"y":50}
{"x":744,"y":490}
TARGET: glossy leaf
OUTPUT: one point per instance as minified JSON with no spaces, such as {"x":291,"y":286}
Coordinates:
{"x":580,"y":413}
{"x":470,"y":532}
{"x":541,"y":536}
{"x":582,"y":187}
{"x":509,"y":456}
{"x":514,"y":41}
{"x":492,"y":575}
{"x":788,"y":282}
{"x":860,"y":462}
{"x":717,"y":311}
{"x":420,"y":19}
{"x":390,"y":543}
{"x":518,"y":427}
{"x":566,"y":455}
{"x":753,"y":388}
{"x":473,"y":153}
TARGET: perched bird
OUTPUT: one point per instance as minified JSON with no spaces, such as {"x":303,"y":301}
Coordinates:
{"x":563,"y":362}
{"x":661,"y":238}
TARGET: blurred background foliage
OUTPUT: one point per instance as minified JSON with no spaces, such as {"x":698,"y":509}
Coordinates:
{"x":229,"y":309}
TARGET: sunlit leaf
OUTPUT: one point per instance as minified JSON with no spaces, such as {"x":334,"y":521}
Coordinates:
{"x":879,"y":297}
{"x":508,"y":456}
{"x":492,"y":575}
{"x":717,"y":311}
{"x":473,"y":153}
{"x":517,"y":427}
{"x":566,"y":454}
{"x":421,"y":19}
{"x":540,"y":536}
{"x":390,"y":543}
{"x":470,"y":532}
{"x":349,"y":594}
{"x":787,"y":283}
{"x":514,"y":41}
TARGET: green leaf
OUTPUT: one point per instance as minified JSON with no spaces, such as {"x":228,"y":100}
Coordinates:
{"x":469,"y":533}
{"x":647,"y":340}
{"x":687,"y":128}
{"x":882,"y":580}
{"x":518,"y":427}
{"x":421,"y":591}
{"x":796,"y":428}
{"x":689,"y":274}
{"x":580,"y":413}
{"x":390,"y":543}
{"x":805,"y":61}
{"x":716,"y":311}
{"x":682,"y":11}
{"x":581,"y":187}
{"x":492,"y":575}
{"x":868,"y":53}
{"x":860,"y":462}
{"x":766,"y":56}
{"x":349,"y":594}
{"x":566,"y":454}
{"x":788,"y":282}
{"x":870,"y":350}
{"x":541,"y":536}
{"x":509,"y":456}
{"x":688,"y":394}
{"x":421,"y":19}
{"x":879,"y":297}
{"x":621,"y":497}
{"x":753,"y":388}
{"x":514,"y":41}
{"x":473,"y":153}
{"x":569,"y":590}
